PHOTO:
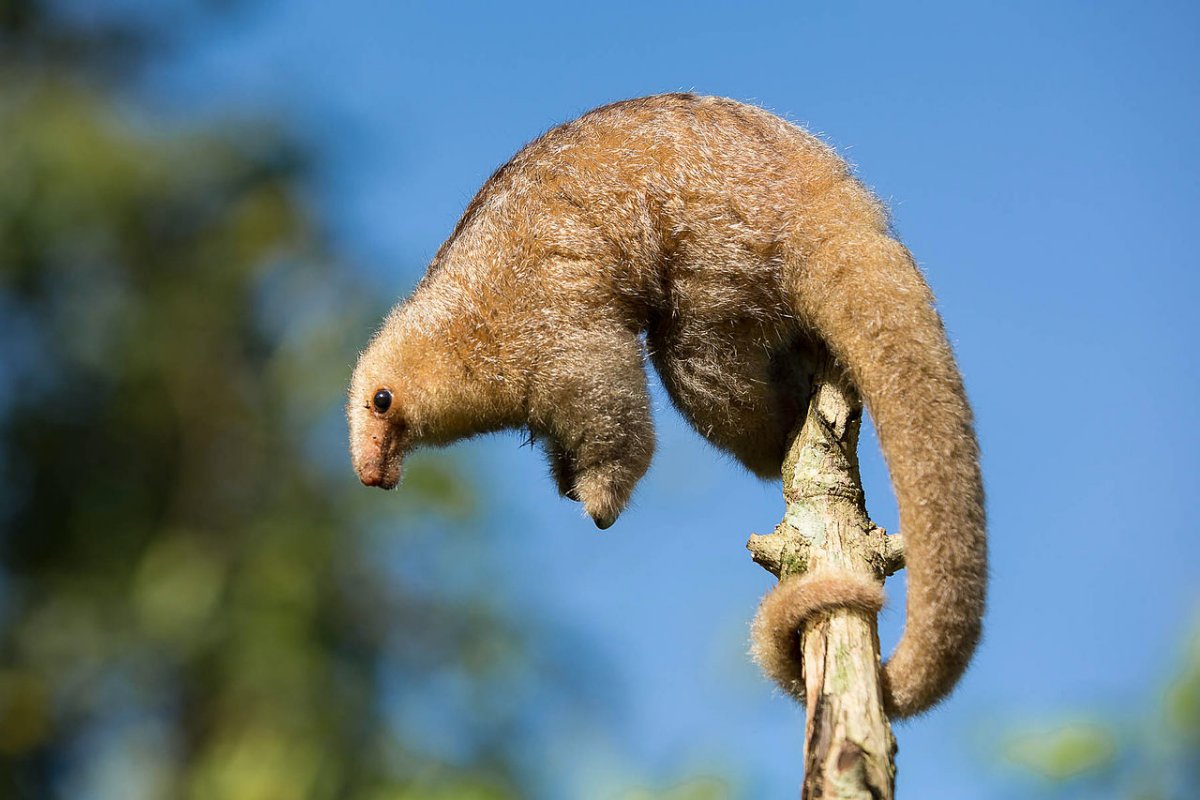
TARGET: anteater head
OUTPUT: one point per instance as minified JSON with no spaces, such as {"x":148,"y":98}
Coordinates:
{"x":378,"y":415}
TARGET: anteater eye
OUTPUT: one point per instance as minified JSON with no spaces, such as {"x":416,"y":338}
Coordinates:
{"x":382,"y":400}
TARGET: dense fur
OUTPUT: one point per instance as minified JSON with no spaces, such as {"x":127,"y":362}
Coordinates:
{"x":742,"y":250}
{"x":775,"y":633}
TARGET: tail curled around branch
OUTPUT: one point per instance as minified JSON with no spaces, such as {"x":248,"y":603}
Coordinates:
{"x":784,"y":610}
{"x":862,"y":293}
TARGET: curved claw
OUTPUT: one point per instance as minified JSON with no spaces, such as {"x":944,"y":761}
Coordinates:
{"x":604,"y":522}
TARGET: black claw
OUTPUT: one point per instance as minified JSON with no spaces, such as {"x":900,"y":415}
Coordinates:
{"x":604,"y":523}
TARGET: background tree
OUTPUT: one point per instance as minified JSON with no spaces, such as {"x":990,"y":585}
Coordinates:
{"x":1153,"y":754}
{"x":195,"y":601}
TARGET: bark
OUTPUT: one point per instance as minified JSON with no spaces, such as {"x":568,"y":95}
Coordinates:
{"x":849,"y":749}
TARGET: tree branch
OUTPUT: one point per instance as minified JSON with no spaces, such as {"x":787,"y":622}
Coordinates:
{"x":849,"y":749}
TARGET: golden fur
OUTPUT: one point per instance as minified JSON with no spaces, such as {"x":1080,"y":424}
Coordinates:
{"x":776,"y":628}
{"x":733,"y":249}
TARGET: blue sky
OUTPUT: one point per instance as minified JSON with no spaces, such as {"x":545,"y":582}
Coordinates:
{"x":1041,"y":163}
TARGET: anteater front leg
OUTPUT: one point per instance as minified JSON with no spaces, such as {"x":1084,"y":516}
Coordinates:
{"x":562,"y":468}
{"x":588,"y":397}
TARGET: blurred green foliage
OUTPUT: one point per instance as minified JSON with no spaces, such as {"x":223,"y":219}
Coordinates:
{"x":702,"y":788}
{"x":1064,"y":750}
{"x":195,"y":599}
{"x":1154,"y":756}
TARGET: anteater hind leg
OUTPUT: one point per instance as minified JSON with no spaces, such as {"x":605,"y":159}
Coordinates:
{"x":741,"y":387}
{"x":589,"y":400}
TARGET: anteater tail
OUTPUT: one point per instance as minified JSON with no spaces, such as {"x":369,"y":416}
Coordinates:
{"x":860,"y":290}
